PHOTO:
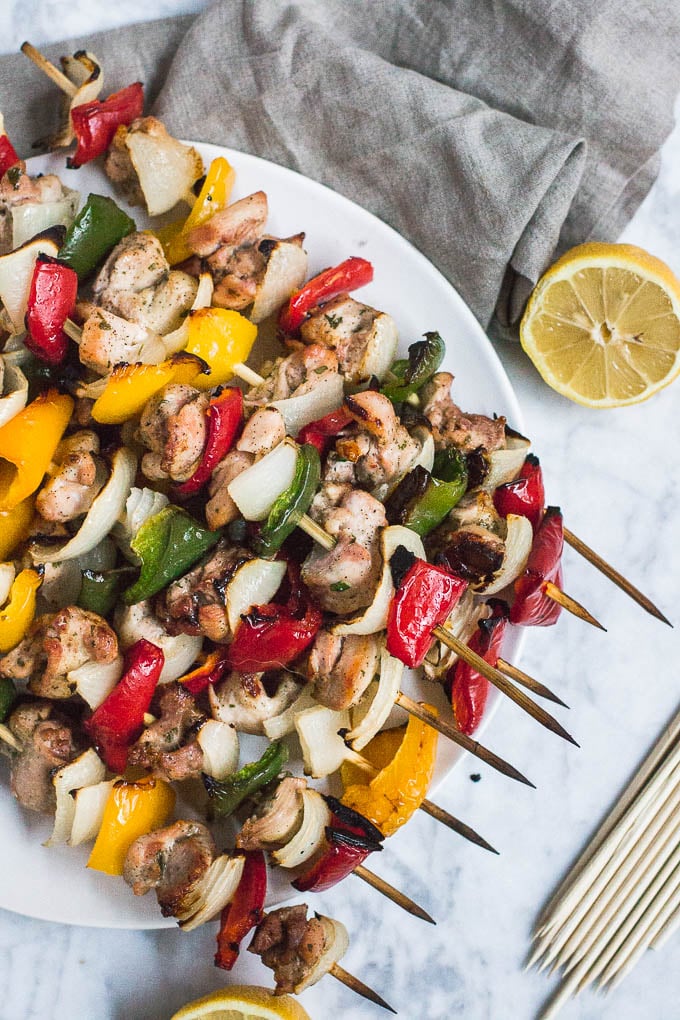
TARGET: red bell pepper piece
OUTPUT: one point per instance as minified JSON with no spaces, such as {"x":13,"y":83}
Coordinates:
{"x":96,"y":123}
{"x":320,"y":432}
{"x":469,"y":689}
{"x":525,"y":495}
{"x":350,"y":274}
{"x":244,"y":912}
{"x":8,"y":156}
{"x":531,"y":606}
{"x":424,"y":599}
{"x":271,"y":637}
{"x":51,"y":300}
{"x":350,"y":838}
{"x":118,"y":721}
{"x":224,"y":417}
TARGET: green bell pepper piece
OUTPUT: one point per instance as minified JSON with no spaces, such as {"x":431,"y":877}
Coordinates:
{"x":97,"y":228}
{"x":421,"y":501}
{"x":287,"y":510}
{"x":8,"y":693}
{"x":168,"y":544}
{"x":409,"y":375}
{"x":226,"y":794}
{"x":99,"y":590}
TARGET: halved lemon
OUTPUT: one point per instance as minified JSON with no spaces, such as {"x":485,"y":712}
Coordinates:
{"x":602,"y":325}
{"x":243,"y":1002}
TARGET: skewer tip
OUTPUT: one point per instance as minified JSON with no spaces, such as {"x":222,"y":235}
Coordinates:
{"x":352,"y":982}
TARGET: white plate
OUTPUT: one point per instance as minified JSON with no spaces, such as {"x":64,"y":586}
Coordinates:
{"x":54,"y":884}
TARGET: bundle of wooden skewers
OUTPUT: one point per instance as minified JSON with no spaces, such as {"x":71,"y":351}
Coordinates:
{"x":457,"y":504}
{"x":623,"y":894}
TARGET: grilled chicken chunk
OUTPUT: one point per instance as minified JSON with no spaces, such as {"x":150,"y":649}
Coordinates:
{"x":243,"y":700}
{"x":108,"y":340}
{"x":344,"y":579}
{"x":472,"y":538}
{"x":364,"y":339}
{"x":382,"y":450}
{"x":168,"y":748}
{"x":341,"y":668}
{"x":18,"y":188}
{"x":55,"y":644}
{"x":195,"y":603}
{"x":228,"y":242}
{"x":277,"y":821}
{"x":451,"y":426}
{"x":46,"y":744}
{"x":294,"y":375}
{"x":264,"y":430}
{"x":136,"y":282}
{"x":290,"y":945}
{"x":71,"y":491}
{"x":173,"y":426}
{"x":172,"y":861}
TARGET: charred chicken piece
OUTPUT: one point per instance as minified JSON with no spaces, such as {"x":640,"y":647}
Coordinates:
{"x":471,"y":541}
{"x":136,"y":282}
{"x":108,"y":340}
{"x":18,"y":188}
{"x":46,"y":744}
{"x":278,"y":819}
{"x":453,"y":427}
{"x":228,"y":242}
{"x":168,"y":748}
{"x":172,"y":861}
{"x":81,"y":474}
{"x":55,"y":644}
{"x":195,"y":604}
{"x":342,"y":667}
{"x":264,"y":430}
{"x":294,"y":375}
{"x":344,"y":579}
{"x":363,"y":338}
{"x":299,"y":951}
{"x":245,"y":700}
{"x":381,"y":449}
{"x":173,"y":426}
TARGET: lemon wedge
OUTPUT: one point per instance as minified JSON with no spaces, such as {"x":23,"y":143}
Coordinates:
{"x":602,"y":325}
{"x":243,"y":1002}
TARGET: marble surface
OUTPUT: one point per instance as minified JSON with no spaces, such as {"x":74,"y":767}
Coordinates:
{"x":617,"y":476}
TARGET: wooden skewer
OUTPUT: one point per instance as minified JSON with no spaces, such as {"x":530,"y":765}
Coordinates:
{"x":462,"y":739}
{"x":9,"y":738}
{"x":350,"y":981}
{"x":392,"y":893}
{"x":669,"y":928}
{"x":502,"y":683}
{"x":48,"y":68}
{"x":589,"y":554}
{"x":247,"y":374}
{"x":571,"y":605}
{"x":466,"y":831}
{"x":520,"y":677}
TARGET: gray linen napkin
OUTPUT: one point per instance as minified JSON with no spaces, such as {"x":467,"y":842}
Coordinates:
{"x":491,"y":133}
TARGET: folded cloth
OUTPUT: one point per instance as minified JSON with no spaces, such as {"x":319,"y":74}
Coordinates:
{"x":491,"y":133}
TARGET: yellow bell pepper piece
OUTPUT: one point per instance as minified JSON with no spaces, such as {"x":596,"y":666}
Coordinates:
{"x":221,"y":337}
{"x":391,"y":797}
{"x":14,"y":526}
{"x":130,"y":387}
{"x":132,"y":810}
{"x":213,"y":196}
{"x":19,"y":612}
{"x":27,"y":445}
